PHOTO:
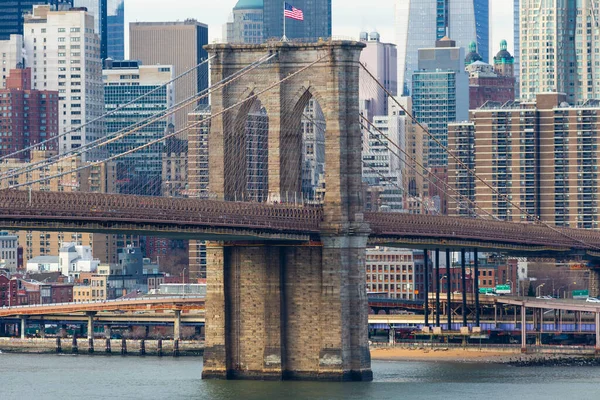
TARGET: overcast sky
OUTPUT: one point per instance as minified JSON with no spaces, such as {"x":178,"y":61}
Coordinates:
{"x":349,"y":16}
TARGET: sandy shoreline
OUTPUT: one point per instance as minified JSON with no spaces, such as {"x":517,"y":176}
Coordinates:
{"x":449,"y":355}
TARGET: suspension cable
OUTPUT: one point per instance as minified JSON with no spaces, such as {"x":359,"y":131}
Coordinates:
{"x":473,"y":204}
{"x":127,"y":131}
{"x":151,"y":143}
{"x":105,"y":114}
{"x":534,"y":218}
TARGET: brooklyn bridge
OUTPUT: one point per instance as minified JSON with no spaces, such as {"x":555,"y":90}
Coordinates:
{"x":286,"y":295}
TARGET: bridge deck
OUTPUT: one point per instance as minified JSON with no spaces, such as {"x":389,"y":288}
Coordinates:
{"x":232,"y":221}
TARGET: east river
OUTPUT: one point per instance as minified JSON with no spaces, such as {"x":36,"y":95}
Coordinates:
{"x":115,"y":377}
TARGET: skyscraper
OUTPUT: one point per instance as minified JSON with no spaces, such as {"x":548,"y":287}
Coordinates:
{"x":419,"y":23}
{"x":517,"y":47}
{"x":109,"y":24}
{"x":536,"y":157}
{"x":179,"y":44}
{"x":12,"y":12}
{"x":381,"y":60}
{"x":246,"y":25}
{"x":64,"y":53}
{"x":440,"y":92}
{"x":98,"y":9}
{"x":124,"y":82}
{"x":11,"y":56}
{"x":316,"y":24}
{"x":559,"y":47}
{"x":115,"y":45}
{"x":34,"y":116}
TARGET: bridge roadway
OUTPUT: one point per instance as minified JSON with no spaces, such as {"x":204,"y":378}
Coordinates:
{"x":144,"y":304}
{"x":248,"y":222}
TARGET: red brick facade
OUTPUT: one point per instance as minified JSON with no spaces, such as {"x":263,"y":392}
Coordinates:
{"x":33,"y":115}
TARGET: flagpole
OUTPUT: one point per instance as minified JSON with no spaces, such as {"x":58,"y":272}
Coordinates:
{"x":284,"y":39}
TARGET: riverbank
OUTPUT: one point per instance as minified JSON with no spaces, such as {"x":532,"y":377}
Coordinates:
{"x":445,"y":354}
{"x":509,"y":355}
{"x":102,"y":346}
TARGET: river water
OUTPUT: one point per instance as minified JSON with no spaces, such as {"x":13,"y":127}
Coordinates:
{"x":25,"y":376}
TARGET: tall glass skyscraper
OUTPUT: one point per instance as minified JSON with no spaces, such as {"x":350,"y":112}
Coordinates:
{"x":109,"y":25}
{"x":124,"y":82}
{"x":440,"y":93}
{"x":419,"y":23}
{"x":12,"y":11}
{"x":316,"y":24}
{"x":116,"y":29}
{"x":98,"y":9}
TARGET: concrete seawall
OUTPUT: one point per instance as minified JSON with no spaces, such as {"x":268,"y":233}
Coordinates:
{"x":117,"y":346}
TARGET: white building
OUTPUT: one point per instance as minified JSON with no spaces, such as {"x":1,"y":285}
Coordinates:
{"x":11,"y":54}
{"x":43,"y":264}
{"x":381,"y":59}
{"x":74,"y":259}
{"x":64,"y":53}
{"x":559,"y":49}
{"x":8,"y":251}
{"x":383,"y":162}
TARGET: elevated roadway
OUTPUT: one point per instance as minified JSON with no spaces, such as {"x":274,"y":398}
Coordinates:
{"x":134,"y":305}
{"x":247,"y":222}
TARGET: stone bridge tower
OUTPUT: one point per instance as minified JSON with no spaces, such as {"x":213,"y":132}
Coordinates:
{"x":295,"y":311}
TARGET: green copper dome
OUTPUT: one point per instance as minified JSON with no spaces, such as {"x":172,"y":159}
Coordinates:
{"x":503,"y":56}
{"x":472,"y":55}
{"x":248,"y":4}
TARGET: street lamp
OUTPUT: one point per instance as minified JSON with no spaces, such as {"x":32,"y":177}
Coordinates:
{"x":569,"y":287}
{"x":538,"y":290}
{"x":441,"y":282}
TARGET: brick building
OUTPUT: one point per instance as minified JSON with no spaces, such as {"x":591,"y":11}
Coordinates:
{"x":33,"y":117}
{"x":542,"y":155}
{"x":491,"y":83}
{"x":8,"y":290}
{"x":44,"y":293}
{"x":397,"y":272}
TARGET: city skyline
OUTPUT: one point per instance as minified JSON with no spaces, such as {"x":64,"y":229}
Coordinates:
{"x":350,"y":17}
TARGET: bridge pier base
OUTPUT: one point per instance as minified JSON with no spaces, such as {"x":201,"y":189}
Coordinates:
{"x":293,"y":313}
{"x":23,"y":326}
{"x":177,"y":325}
{"x":90,"y":324}
{"x":42,"y":329}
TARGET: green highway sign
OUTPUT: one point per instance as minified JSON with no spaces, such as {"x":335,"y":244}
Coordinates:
{"x":486,"y":290}
{"x":580,"y":294}
{"x":503,"y":289}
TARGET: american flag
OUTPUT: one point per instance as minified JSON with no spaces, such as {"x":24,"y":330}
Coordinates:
{"x":293,"y":12}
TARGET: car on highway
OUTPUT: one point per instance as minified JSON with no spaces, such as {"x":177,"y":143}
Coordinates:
{"x":545,"y":297}
{"x":592,"y":300}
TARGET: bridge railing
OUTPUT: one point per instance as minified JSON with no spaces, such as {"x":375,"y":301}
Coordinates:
{"x":160,"y":209}
{"x":455,"y":227}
